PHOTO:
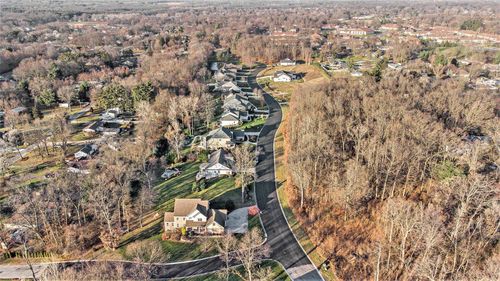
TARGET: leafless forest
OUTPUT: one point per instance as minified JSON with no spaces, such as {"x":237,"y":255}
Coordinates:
{"x":387,"y":183}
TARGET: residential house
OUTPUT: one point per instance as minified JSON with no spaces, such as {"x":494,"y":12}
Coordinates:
{"x":214,"y":66}
{"x":238,"y":102}
{"x":195,"y":216}
{"x":492,"y":84}
{"x":355,"y":31}
{"x":220,"y":163}
{"x":222,"y":138}
{"x":20,"y":110}
{"x":93,"y":128}
{"x":111,"y":113}
{"x":394,"y":66}
{"x":86,"y":152}
{"x":287,"y":62}
{"x":230,"y":119}
{"x":389,"y":27}
{"x":233,"y":118}
{"x":107,"y":128}
{"x":284,"y":76}
{"x":228,"y":86}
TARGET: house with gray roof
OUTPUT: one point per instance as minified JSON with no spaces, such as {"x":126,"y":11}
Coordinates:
{"x":287,"y":62}
{"x":284,"y":76}
{"x":222,"y":138}
{"x":238,"y":102}
{"x":220,"y":163}
{"x":86,"y":152}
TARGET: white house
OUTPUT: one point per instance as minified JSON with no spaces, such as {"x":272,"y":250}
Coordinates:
{"x":111,"y":113}
{"x":230,"y":86}
{"x":287,"y":62}
{"x":220,"y":163}
{"x":196,"y":216}
{"x":87,"y":151}
{"x":395,"y":66}
{"x":230,"y":119}
{"x":218,"y":138}
{"x":284,"y":76}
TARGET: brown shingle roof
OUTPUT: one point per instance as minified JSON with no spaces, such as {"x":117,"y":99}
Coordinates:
{"x":184,"y":207}
{"x":169,"y":217}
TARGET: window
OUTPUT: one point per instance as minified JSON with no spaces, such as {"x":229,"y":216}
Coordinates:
{"x":199,"y":219}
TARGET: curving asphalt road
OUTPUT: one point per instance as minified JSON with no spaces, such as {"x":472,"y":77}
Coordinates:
{"x":283,"y":245}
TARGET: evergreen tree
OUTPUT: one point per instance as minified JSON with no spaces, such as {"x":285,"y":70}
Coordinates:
{"x":142,"y":92}
{"x":115,"y":95}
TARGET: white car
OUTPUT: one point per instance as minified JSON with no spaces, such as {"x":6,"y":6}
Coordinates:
{"x":170,"y":173}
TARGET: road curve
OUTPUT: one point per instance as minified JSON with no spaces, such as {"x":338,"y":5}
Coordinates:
{"x":283,"y":245}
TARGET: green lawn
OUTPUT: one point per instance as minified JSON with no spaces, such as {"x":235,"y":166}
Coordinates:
{"x":217,"y":191}
{"x":181,"y":187}
{"x":81,"y":136}
{"x":278,"y":273}
{"x":254,"y":124}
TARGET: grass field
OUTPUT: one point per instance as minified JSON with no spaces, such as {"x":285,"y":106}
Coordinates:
{"x":281,"y":177}
{"x":313,"y":76}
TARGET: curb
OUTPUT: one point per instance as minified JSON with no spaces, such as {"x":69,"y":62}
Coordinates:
{"x":276,"y":188}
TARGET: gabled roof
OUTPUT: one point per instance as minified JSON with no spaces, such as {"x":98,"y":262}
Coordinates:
{"x":287,"y":60}
{"x":19,"y":109}
{"x":88,"y":149}
{"x":169,"y":216}
{"x":232,"y":112}
{"x":94,"y":126}
{"x":229,"y":117}
{"x":219,"y":216}
{"x":220,"y":157}
{"x":184,"y":207}
{"x":283,"y":72}
{"x":220,"y":133}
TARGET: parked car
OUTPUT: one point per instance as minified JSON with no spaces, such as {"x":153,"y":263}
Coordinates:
{"x":170,"y":173}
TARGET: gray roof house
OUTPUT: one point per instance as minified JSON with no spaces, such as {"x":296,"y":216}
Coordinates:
{"x":238,"y":102}
{"x":287,"y":62}
{"x":222,"y":138}
{"x":284,"y":76}
{"x":87,"y":151}
{"x":220,"y":163}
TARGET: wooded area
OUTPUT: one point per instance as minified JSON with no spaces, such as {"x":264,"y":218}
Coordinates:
{"x":394,"y":179}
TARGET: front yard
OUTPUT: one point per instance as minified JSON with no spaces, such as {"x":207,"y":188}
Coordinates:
{"x":254,"y":125}
{"x":219,"y":192}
